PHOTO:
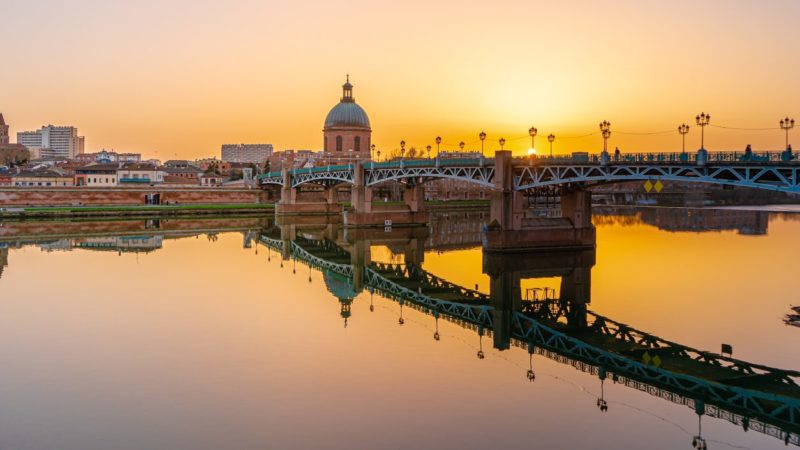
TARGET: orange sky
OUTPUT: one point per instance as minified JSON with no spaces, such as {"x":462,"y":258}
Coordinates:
{"x":179,"y":78}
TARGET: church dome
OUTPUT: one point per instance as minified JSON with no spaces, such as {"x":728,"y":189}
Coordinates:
{"x":339,"y":286}
{"x":347,"y":114}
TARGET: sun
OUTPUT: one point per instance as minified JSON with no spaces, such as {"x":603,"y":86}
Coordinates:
{"x":531,"y":151}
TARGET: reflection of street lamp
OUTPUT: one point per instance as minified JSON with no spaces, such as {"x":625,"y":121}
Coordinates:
{"x":438,"y":141}
{"x":550,"y":138}
{"x":787,"y":124}
{"x":483,"y":137}
{"x":532,"y":132}
{"x":683,"y":129}
{"x":702,"y":120}
{"x":402,"y":149}
{"x":605,"y":128}
{"x":428,"y":148}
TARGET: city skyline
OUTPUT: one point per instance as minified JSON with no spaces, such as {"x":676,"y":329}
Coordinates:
{"x":265,"y":73}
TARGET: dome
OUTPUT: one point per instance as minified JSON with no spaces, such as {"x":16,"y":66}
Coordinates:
{"x":347,"y":115}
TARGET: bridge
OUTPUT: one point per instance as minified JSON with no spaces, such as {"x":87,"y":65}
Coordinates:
{"x":561,"y":327}
{"x":511,"y":179}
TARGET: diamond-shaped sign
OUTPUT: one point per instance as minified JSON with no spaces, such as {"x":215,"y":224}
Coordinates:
{"x":658,"y":186}
{"x":648,"y":186}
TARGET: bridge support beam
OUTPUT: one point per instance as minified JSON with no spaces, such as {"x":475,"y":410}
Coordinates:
{"x":290,"y":204}
{"x":366,"y":215}
{"x":512,"y":230}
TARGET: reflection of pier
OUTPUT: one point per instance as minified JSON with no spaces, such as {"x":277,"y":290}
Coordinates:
{"x":562,"y":328}
{"x":686,"y":219}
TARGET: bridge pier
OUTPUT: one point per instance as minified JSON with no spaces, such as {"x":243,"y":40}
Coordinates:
{"x":289,"y":203}
{"x":506,"y":273}
{"x":363,"y":214}
{"x":511,"y":228}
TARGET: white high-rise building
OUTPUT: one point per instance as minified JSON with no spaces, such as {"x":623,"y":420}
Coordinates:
{"x":54,"y":142}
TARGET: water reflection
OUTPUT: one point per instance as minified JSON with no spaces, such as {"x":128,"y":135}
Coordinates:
{"x":514,"y":314}
{"x":743,"y":221}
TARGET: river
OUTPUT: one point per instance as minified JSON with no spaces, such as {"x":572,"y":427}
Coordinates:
{"x":239,"y":334}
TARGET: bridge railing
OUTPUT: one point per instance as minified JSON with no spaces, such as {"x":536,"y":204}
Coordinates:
{"x":771,"y":156}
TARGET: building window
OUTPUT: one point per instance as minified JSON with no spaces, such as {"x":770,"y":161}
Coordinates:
{"x":357,"y":144}
{"x":338,"y":143}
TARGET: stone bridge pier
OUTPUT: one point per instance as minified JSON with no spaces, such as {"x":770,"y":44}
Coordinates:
{"x":364,"y":213}
{"x":292,"y":203}
{"x":512,"y":227}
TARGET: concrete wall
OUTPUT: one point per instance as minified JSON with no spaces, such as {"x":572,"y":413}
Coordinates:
{"x":125,"y":196}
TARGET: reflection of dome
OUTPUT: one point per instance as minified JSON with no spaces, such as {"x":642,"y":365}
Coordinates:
{"x":342,"y":289}
{"x":347,"y":114}
{"x":339,"y":286}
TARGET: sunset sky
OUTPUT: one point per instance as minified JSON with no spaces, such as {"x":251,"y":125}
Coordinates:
{"x":179,"y":78}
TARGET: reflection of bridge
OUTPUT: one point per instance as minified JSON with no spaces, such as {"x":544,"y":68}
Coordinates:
{"x":561,"y":328}
{"x":510,"y":179}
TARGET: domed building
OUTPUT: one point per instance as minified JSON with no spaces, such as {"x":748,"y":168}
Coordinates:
{"x":347,"y":127}
{"x":342,"y":289}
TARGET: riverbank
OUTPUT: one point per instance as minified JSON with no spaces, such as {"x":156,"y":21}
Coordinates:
{"x":158,"y":211}
{"x":141,"y":211}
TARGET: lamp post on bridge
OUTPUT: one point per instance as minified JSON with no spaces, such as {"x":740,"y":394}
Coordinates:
{"x":428,"y":148}
{"x":532,"y":132}
{"x":482,"y":136}
{"x":461,"y":146}
{"x":550,"y":138}
{"x":787,"y":124}
{"x":438,"y":141}
{"x":402,"y":149}
{"x":683,"y":130}
{"x":702,"y":120}
{"x":502,"y":143}
{"x":371,"y":150}
{"x":605,"y":130}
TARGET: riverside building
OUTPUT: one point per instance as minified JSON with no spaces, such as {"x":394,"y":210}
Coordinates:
{"x":52,"y":142}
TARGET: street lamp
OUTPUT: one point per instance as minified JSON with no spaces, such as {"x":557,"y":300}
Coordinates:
{"x":402,"y":149}
{"x":428,"y":148}
{"x":379,"y":154}
{"x":461,"y":145}
{"x":787,"y":124}
{"x":502,"y":143}
{"x":683,"y":129}
{"x":532,"y":132}
{"x":605,"y":128}
{"x":702,"y":120}
{"x":372,"y":150}
{"x":550,"y":138}
{"x":438,"y":141}
{"x":483,"y":138}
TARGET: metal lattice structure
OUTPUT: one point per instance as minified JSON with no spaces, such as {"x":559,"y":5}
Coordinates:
{"x":776,"y":171}
{"x":771,"y":176}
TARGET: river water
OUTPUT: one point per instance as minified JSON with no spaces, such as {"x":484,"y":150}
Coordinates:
{"x":194,"y":334}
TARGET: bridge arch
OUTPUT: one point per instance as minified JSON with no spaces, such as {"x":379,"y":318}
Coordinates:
{"x":772,"y":178}
{"x":482,"y":176}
